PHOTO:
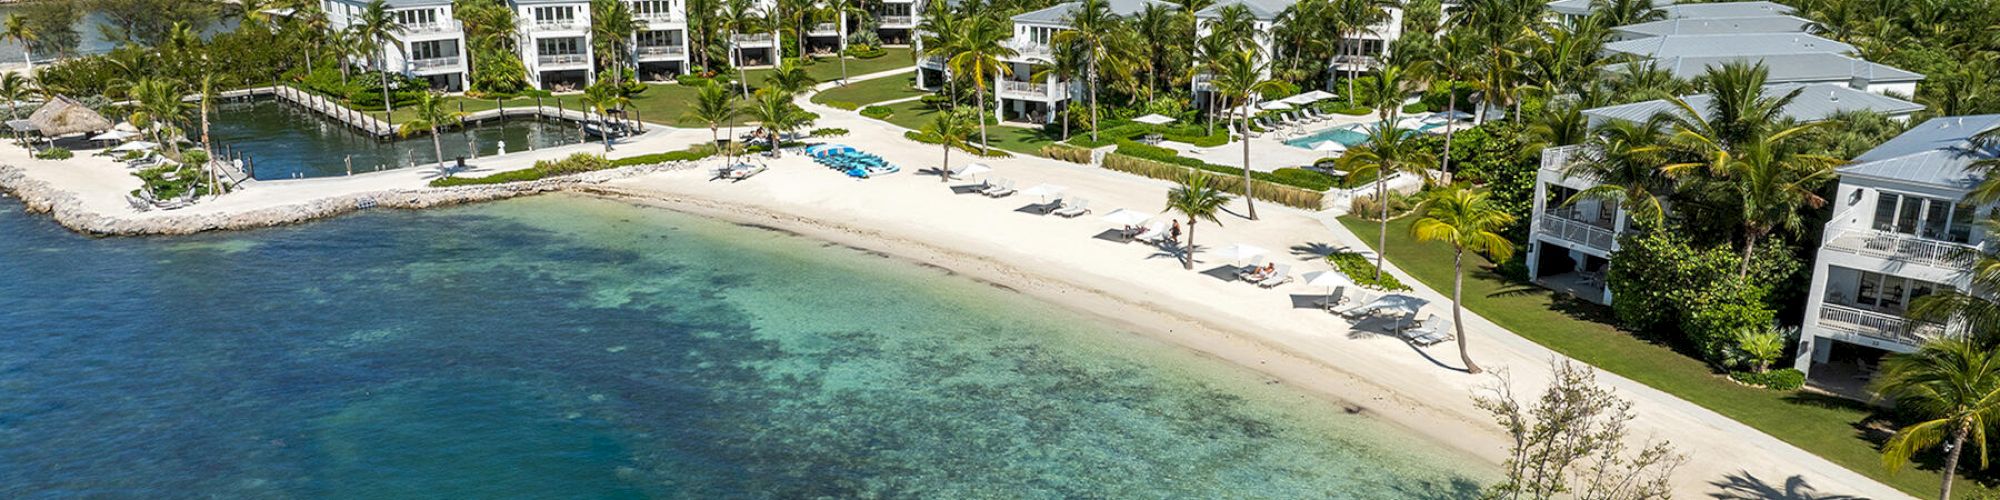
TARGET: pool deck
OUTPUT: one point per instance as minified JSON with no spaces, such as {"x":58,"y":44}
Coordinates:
{"x":1270,"y":152}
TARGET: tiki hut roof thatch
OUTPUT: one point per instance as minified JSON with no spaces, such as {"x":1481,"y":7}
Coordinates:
{"x":64,"y":116}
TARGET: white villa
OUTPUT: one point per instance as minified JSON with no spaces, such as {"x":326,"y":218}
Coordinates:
{"x":432,"y":42}
{"x":660,"y":50}
{"x":554,"y":39}
{"x":1900,"y":231}
{"x":1571,"y":244}
{"x":1020,"y":97}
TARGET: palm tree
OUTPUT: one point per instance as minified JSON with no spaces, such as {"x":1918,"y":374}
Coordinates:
{"x":1625,"y":160}
{"x":1350,"y":18}
{"x":1239,"y":77}
{"x":605,"y":97}
{"x":1197,"y":198}
{"x":23,"y":34}
{"x":1955,"y":383}
{"x":1624,"y":12}
{"x":790,"y":78}
{"x":839,"y":10}
{"x":1738,"y":111}
{"x":1448,"y":60}
{"x":1065,"y":64}
{"x":942,"y":36}
{"x":979,"y":59}
{"x":775,"y":112}
{"x":160,"y":109}
{"x":1389,"y":151}
{"x":15,"y":88}
{"x":1385,"y":92}
{"x":1091,"y":27}
{"x":378,"y":30}
{"x":311,"y":22}
{"x":1466,"y":219}
{"x":431,"y":112}
{"x":714,"y":106}
{"x":740,"y":16}
{"x":207,"y":91}
{"x":1773,"y":182}
{"x":612,"y":25}
{"x":1158,"y":27}
{"x":952,"y":129}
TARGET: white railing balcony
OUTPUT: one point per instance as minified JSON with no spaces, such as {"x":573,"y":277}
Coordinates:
{"x":661,"y":17}
{"x":1883,"y":326}
{"x":1355,"y":61}
{"x":1201,"y":82}
{"x":559,"y":25}
{"x":1575,"y":231}
{"x":662,"y":51}
{"x":1557,"y":158}
{"x":751,"y":39}
{"x":1033,"y":91}
{"x":824,"y":29}
{"x":1902,"y":247}
{"x":434,"y":63}
{"x":428,"y":28}
{"x":933,"y":62}
{"x":898,"y":21}
{"x":562,"y":59}
{"x":1031,"y":49}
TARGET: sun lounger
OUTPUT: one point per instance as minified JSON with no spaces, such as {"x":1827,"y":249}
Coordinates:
{"x":1255,"y":263}
{"x":1433,"y":331}
{"x":1349,"y":309}
{"x":1005,"y":189}
{"x":1282,"y":276}
{"x":1154,"y":232}
{"x":138,"y":204}
{"x":993,"y":186}
{"x":1333,"y":299}
{"x":738,"y":174}
{"x":1073,"y":207}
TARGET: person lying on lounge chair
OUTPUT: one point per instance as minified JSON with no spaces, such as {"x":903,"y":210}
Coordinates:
{"x":1263,"y":273}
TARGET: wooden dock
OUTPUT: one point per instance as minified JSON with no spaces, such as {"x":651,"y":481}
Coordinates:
{"x":367,"y":124}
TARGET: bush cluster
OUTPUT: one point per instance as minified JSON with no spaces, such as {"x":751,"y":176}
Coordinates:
{"x":972,"y":149}
{"x":1262,"y":190}
{"x":1066,"y":153}
{"x":1705,"y":302}
{"x":850,"y":106}
{"x":866,"y":51}
{"x":575,"y":164}
{"x":56,"y":153}
{"x":1294,"y":177}
{"x":829,"y":132}
{"x":877,"y":112}
{"x":1784,"y":380}
{"x":1361,"y":270}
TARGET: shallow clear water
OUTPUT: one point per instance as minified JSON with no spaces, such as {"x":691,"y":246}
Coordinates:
{"x":580,"y":348}
{"x":90,"y":39}
{"x":284,"y":142}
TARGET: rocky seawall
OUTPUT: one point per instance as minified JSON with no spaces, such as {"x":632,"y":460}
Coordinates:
{"x":41,"y":197}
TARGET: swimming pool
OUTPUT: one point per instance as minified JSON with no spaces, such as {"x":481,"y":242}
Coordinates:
{"x":1346,"y":135}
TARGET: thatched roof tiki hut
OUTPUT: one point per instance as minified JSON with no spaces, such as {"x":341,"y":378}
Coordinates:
{"x":63,"y":116}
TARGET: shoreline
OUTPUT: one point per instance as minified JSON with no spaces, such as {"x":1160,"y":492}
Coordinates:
{"x":1198,"y":336}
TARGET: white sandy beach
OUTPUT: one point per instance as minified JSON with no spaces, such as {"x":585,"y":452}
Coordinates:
{"x":917,"y":217}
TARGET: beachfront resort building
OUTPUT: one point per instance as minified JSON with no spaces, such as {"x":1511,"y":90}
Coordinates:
{"x":1020,"y":96}
{"x":660,"y":46}
{"x":432,"y":41}
{"x":554,"y":40}
{"x":1900,"y":230}
{"x":1571,"y":243}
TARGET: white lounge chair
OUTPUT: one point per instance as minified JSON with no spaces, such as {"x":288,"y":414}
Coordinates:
{"x":1333,"y":299}
{"x":1003,"y":190}
{"x":1282,"y":276}
{"x":1153,"y":232}
{"x":1246,"y":271}
{"x":1434,"y":330}
{"x":1073,"y":207}
{"x":1348,"y":310}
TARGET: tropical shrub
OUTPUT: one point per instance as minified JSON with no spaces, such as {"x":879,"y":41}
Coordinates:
{"x":1299,"y":178}
{"x":1707,"y":303}
{"x":693,"y":80}
{"x":866,"y":51}
{"x":55,"y":154}
{"x":1270,"y":191}
{"x":690,"y":154}
{"x":829,"y":132}
{"x":1493,"y":155}
{"x":1416,"y":108}
{"x":1367,"y":208}
{"x":1066,"y":153}
{"x":1784,"y":380}
{"x":877,"y":112}
{"x":1361,"y":269}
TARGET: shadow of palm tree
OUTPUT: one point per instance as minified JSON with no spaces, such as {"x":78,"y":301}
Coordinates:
{"x":1315,"y":250}
{"x":1744,"y":486}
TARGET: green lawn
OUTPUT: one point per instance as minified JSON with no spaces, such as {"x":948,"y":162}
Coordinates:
{"x":872,"y":91}
{"x":1831,"y":428}
{"x":913,"y":114}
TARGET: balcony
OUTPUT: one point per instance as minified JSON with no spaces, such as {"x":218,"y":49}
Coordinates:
{"x":752,"y":39}
{"x":1877,"y":325}
{"x":547,"y":60}
{"x":898,"y":21}
{"x":1355,"y":62}
{"x":661,"y":17}
{"x":932,"y":62}
{"x":559,"y":25}
{"x":1589,"y":235}
{"x":434,"y":63}
{"x":1902,"y":247}
{"x":824,"y":29}
{"x":1028,"y":49}
{"x":431,"y":28}
{"x":1033,"y":91}
{"x":662,"y":52}
{"x":1201,"y":82}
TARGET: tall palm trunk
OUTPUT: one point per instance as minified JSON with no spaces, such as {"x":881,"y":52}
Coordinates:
{"x":1093,"y":97}
{"x":1750,"y":237}
{"x":840,"y":49}
{"x":437,"y":145}
{"x":1244,"y":122}
{"x":1458,"y":309}
{"x":1450,"y":107}
{"x":1382,"y":198}
{"x":387,"y":103}
{"x":982,"y":119}
{"x":1951,"y":459}
{"x":944,"y":175}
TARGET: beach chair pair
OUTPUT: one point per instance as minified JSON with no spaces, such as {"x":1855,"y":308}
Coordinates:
{"x":1431,"y":331}
{"x":1281,"y":276}
{"x":1073,"y":207}
{"x":1333,"y":299}
{"x":1352,"y":308}
{"x":1000,"y":188}
{"x":1154,"y":233}
{"x":1245,"y":272}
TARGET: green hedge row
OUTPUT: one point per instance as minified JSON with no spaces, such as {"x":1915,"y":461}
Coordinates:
{"x":1066,"y":153}
{"x":1189,"y":133}
{"x":1295,"y":177}
{"x":1359,"y":268}
{"x":1262,"y":190}
{"x":576,"y":163}
{"x":1784,"y":380}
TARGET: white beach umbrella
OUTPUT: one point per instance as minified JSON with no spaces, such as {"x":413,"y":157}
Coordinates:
{"x":1123,"y":217}
{"x":1241,"y":251}
{"x":114,"y":135}
{"x":973,"y":169}
{"x":1274,"y":105}
{"x":135,"y":146}
{"x":1444,"y":116}
{"x":1154,"y":119}
{"x":1331,"y":146}
{"x":1396,"y":303}
{"x":1313,"y":96}
{"x":1411,"y":123}
{"x":1330,"y":279}
{"x":1044,"y":190}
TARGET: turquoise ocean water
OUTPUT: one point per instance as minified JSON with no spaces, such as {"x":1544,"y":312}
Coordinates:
{"x":564,"y":347}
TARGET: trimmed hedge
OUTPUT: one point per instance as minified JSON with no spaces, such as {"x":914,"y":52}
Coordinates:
{"x":1361,"y":270}
{"x":841,"y":105}
{"x":866,"y":52}
{"x":1784,"y":380}
{"x":877,"y":112}
{"x":1294,"y":177}
{"x":1259,"y":189}
{"x":1066,"y":153}
{"x":829,"y":132}
{"x":575,"y":164}
{"x":1189,"y":133}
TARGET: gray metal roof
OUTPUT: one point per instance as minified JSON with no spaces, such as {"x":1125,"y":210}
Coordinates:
{"x":1263,"y":10}
{"x":1725,"y":9}
{"x":1571,"y":7}
{"x":1058,"y":15}
{"x":1719,"y":26}
{"x":1935,"y":152}
{"x":1816,"y":102}
{"x":402,"y":4}
{"x":1731,"y":44}
{"x":1788,"y":68}
{"x":537,"y":2}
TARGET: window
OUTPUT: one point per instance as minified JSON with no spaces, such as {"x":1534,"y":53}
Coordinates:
{"x":558,"y":46}
{"x":651,"y":8}
{"x":555,"y":15}
{"x":1925,"y":217}
{"x":434,"y":49}
{"x":417,"y":17}
{"x":660,"y":38}
{"x":1889,"y":293}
